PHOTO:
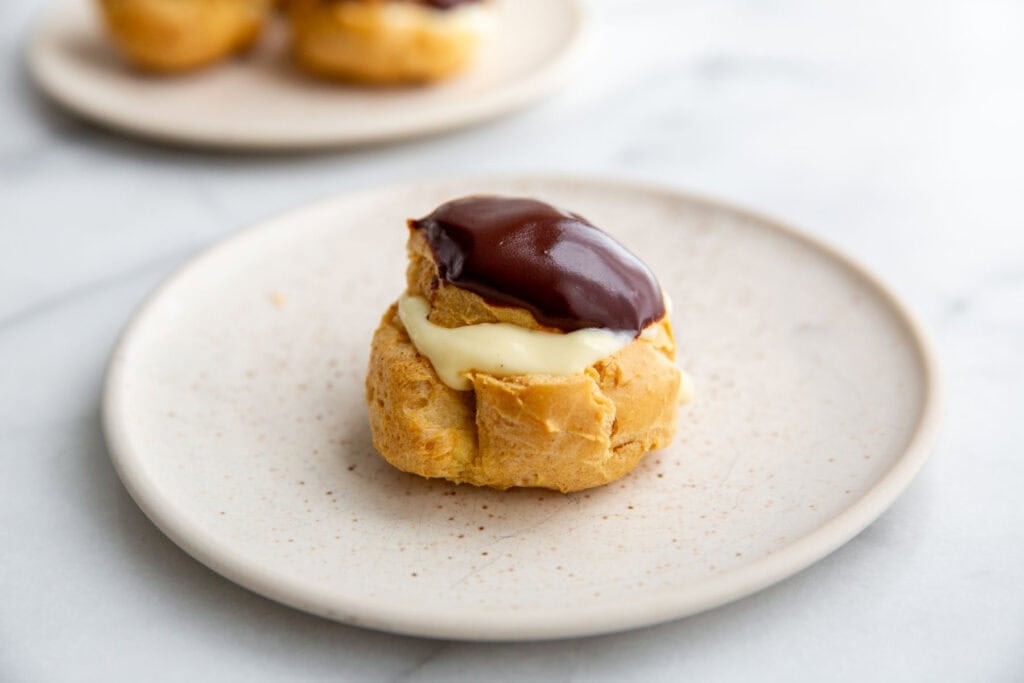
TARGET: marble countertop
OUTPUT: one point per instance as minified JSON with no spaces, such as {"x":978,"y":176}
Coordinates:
{"x":892,"y":130}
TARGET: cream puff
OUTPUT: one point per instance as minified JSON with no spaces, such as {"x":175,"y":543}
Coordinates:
{"x":387,"y":41}
{"x":171,"y":36}
{"x":529,"y":349}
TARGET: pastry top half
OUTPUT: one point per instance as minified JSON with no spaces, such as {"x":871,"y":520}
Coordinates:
{"x":482,"y":380}
{"x":522,"y":256}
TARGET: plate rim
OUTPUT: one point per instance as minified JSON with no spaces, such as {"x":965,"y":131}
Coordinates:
{"x":531,"y":624}
{"x":508,"y":100}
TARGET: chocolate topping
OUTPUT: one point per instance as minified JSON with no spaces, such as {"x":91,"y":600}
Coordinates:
{"x":445,"y":4}
{"x":440,"y":4}
{"x":525,"y":253}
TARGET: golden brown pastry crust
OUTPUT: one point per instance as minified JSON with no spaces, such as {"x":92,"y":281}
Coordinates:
{"x":356,"y":40}
{"x":559,"y":432}
{"x":451,"y":306}
{"x":178,"y":35}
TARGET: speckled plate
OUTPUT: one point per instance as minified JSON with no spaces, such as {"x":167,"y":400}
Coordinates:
{"x":261,"y":102}
{"x":234,"y":413}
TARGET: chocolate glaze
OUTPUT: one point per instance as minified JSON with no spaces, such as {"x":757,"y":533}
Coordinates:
{"x":522,"y":252}
{"x":441,"y":4}
{"x":446,"y":4}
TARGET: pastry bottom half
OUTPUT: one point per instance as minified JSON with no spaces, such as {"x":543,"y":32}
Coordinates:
{"x":558,"y":432}
{"x":373,"y":43}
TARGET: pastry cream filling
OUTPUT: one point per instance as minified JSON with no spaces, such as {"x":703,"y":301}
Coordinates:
{"x":502,"y":348}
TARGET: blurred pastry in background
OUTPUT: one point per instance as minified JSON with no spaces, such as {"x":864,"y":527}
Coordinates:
{"x":170,"y":36}
{"x":387,"y":41}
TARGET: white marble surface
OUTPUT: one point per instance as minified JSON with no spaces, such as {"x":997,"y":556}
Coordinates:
{"x":890,"y":129}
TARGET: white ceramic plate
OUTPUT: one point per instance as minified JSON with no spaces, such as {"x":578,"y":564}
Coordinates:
{"x":262,"y":102}
{"x":234,"y":412}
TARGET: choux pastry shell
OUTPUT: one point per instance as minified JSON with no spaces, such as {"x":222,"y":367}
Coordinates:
{"x":178,"y":35}
{"x":382,"y":41}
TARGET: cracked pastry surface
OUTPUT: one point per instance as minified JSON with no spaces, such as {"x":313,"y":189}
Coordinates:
{"x":565,"y":432}
{"x":179,"y":35}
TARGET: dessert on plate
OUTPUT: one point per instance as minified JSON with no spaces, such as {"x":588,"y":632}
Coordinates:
{"x":529,"y":349}
{"x":178,"y":35}
{"x":387,"y":41}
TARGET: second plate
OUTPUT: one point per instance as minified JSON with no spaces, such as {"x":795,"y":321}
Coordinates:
{"x":261,"y":102}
